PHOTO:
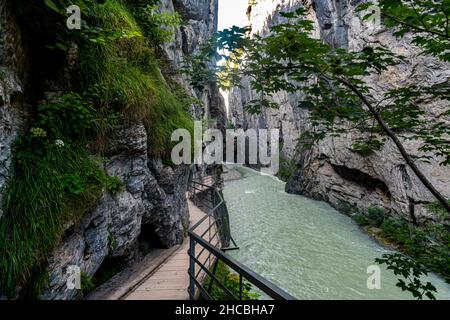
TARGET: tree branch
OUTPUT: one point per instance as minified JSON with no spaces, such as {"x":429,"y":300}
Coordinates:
{"x":436,"y":33}
{"x":397,"y":142}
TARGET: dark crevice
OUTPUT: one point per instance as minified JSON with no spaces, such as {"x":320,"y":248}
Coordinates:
{"x":109,"y":268}
{"x":360,"y":178}
{"x":412,"y":211}
{"x":183,"y":11}
{"x":148,"y":239}
{"x":184,"y":42}
{"x":408,"y":185}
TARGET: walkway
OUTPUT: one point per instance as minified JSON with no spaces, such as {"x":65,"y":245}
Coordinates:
{"x":170,"y":280}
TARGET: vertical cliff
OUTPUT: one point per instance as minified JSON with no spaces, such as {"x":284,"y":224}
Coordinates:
{"x":150,"y":205}
{"x":12,"y":82}
{"x":331,"y":170}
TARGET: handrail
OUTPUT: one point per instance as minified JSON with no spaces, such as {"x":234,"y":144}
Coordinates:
{"x":213,"y":190}
{"x":244,"y":272}
{"x":261,"y":283}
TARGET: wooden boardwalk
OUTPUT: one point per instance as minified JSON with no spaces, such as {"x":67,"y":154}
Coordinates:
{"x":170,"y":280}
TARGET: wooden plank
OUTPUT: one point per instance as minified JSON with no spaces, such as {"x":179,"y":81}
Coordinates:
{"x":128,"y":279}
{"x":171,"y":279}
{"x":178,"y":294}
{"x":163,"y":273}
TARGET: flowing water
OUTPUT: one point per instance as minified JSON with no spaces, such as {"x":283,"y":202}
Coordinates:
{"x":305,"y":246}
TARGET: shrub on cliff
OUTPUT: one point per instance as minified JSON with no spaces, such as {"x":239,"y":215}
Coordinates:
{"x":55,"y":178}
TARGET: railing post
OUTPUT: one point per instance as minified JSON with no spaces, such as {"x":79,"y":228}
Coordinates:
{"x":210,"y":284}
{"x":213,"y":199}
{"x":245,"y":274}
{"x":191,"y":268}
{"x":240,"y":286}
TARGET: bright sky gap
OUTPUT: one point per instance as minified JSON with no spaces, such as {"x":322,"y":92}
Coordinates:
{"x":232,"y":12}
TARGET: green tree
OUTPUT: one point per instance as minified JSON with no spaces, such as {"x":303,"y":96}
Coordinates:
{"x":428,"y":22}
{"x":334,"y":82}
{"x":411,"y":273}
{"x":339,"y":96}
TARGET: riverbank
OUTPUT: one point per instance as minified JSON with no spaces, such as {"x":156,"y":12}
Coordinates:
{"x":305,"y":246}
{"x":230,"y":174}
{"x":426,"y":245}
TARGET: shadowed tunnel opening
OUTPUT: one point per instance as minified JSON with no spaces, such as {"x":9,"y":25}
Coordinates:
{"x":110,"y":267}
{"x":148,"y":239}
{"x":361,"y":178}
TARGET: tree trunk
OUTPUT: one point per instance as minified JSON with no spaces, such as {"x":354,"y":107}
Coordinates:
{"x":398,"y":143}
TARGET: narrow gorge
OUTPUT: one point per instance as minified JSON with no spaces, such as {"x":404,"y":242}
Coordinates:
{"x":92,"y":93}
{"x":331,"y":170}
{"x":106,"y":227}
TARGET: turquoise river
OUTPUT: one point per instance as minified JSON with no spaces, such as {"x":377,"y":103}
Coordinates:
{"x":305,"y":246}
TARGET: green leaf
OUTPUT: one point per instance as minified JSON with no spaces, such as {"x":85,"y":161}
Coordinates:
{"x":52,"y":5}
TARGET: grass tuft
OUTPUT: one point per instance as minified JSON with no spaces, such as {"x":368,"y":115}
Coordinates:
{"x":55,"y":179}
{"x":123,"y":74}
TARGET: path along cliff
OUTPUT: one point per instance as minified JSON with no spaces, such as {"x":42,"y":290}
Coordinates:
{"x":151,"y":203}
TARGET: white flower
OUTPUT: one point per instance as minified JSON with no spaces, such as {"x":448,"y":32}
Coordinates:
{"x":59,"y":143}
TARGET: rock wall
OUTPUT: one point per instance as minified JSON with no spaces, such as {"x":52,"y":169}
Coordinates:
{"x":201,"y":17}
{"x":331,"y":171}
{"x":12,"y":77}
{"x":153,"y":195}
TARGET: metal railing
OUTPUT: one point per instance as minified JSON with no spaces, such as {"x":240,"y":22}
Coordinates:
{"x":207,"y":197}
{"x":210,"y":200}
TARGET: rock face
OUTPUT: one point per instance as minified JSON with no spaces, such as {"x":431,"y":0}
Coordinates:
{"x":153,"y":197}
{"x":331,"y":171}
{"x":154,"y":194}
{"x":12,"y":68}
{"x":202,"y":23}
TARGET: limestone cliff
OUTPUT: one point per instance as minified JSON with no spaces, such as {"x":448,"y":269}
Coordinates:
{"x":153,"y":197}
{"x":12,"y":73}
{"x":331,"y":170}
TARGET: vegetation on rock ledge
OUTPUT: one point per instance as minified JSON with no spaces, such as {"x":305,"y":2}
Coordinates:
{"x":427,"y":244}
{"x":57,"y":174}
